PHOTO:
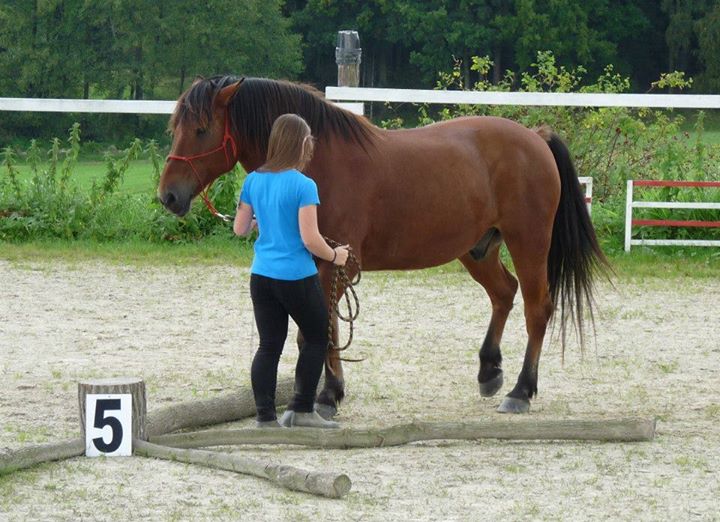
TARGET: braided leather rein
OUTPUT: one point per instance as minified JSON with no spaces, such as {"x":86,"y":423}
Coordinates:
{"x":340,"y":276}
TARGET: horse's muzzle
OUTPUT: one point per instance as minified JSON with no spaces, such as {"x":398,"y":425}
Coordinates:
{"x":177,"y":204}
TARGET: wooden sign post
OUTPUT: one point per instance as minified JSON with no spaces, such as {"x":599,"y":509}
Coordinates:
{"x":112,"y":413}
{"x":348,"y":56}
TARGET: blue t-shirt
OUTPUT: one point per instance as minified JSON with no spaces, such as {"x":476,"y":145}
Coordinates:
{"x":276,"y":198}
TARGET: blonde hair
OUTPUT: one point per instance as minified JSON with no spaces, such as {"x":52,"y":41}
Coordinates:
{"x":290,"y":145}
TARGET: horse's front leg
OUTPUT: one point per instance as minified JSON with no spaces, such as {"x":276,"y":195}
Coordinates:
{"x":333,"y":392}
{"x":334,"y":388}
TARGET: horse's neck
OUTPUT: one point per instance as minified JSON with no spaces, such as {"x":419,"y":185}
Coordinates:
{"x":250,"y":157}
{"x":333,"y":150}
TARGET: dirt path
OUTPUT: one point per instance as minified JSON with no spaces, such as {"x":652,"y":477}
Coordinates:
{"x":187,"y":332}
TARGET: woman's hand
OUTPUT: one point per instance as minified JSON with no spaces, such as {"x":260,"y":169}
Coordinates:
{"x":341,"y":255}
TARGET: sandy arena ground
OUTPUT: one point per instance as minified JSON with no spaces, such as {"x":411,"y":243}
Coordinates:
{"x":188,"y":333}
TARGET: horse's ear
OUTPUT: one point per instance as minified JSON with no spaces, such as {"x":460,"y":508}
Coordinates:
{"x":226,"y":93}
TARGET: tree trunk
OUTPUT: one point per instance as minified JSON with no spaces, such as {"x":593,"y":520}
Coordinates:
{"x":333,"y":485}
{"x":139,"y":78}
{"x":382,"y":68}
{"x":617,"y":430}
{"x":182,"y":80}
{"x":466,"y":71}
{"x":216,"y":410}
{"x":118,"y":385}
{"x":497,"y":65}
{"x":27,"y":457}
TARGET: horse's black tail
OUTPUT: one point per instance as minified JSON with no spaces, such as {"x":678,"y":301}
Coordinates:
{"x":575,"y":255}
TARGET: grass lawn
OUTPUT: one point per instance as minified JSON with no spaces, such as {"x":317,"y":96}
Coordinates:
{"x":712,"y":137}
{"x":138,"y":178}
{"x":641,"y":263}
{"x":209,"y":251}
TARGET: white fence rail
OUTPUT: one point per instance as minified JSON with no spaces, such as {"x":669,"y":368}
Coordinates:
{"x":91,"y":106}
{"x":631,"y":204}
{"x":106,"y":106}
{"x":677,"y":101}
{"x":352,"y":98}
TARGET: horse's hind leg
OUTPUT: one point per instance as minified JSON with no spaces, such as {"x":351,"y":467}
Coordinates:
{"x":529,"y":252}
{"x":487,"y":269}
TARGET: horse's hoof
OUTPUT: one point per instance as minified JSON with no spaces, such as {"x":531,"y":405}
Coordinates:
{"x":491,"y":387}
{"x":513,"y":405}
{"x":326,"y":411}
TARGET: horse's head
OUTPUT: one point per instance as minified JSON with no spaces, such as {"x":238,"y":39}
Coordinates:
{"x":203,"y":146}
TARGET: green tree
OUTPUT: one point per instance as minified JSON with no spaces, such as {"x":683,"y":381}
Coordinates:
{"x":680,"y":33}
{"x":384,"y":55}
{"x":133,"y":49}
{"x":708,"y":31}
{"x":39,"y":44}
{"x":8,"y":53}
{"x":247,"y":37}
{"x":405,"y":42}
{"x":591,"y":33}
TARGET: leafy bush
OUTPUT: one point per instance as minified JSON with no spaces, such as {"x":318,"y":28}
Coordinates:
{"x":611,"y":145}
{"x":50,"y":204}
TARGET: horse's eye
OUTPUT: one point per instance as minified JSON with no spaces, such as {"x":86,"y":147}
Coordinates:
{"x":200,"y":131}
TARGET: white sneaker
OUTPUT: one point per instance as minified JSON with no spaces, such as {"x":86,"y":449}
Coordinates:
{"x":296,"y":419}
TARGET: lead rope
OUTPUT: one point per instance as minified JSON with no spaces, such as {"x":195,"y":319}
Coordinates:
{"x":340,"y":275}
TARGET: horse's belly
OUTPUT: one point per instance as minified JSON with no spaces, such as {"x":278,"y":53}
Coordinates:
{"x":422,"y":243}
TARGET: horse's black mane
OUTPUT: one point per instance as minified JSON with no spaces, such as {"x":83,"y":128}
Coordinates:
{"x":260,"y":101}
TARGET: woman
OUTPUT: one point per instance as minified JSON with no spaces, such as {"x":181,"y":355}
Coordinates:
{"x":284,"y":279}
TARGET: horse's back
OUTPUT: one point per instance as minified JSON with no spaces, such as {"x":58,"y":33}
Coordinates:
{"x":490,"y":138}
{"x":485,"y":156}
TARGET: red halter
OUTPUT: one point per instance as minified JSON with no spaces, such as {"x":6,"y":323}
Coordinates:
{"x":230,"y":164}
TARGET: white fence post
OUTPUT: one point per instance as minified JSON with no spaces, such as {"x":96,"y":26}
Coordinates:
{"x":628,"y":214}
{"x":588,"y":182}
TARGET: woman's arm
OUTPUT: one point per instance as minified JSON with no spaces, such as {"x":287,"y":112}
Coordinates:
{"x":314,"y":241}
{"x":244,"y":221}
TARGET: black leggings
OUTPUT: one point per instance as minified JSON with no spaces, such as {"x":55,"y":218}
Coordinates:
{"x":273,"y":301}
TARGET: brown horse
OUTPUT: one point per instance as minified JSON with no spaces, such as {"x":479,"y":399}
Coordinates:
{"x":417,"y":198}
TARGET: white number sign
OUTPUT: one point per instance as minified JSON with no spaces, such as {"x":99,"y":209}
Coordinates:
{"x":108,"y":425}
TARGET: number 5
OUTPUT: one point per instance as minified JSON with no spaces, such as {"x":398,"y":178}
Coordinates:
{"x":101,"y":421}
